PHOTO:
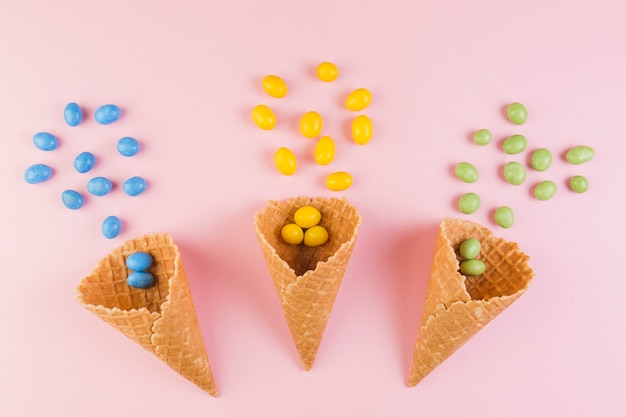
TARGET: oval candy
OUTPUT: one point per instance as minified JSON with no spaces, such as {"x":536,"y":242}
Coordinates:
{"x":139,"y":261}
{"x":73,"y":114}
{"x":541,"y":159}
{"x":134,"y":186}
{"x":84,"y":161}
{"x":73,"y":200}
{"x":99,"y":186}
{"x":315,"y":236}
{"x":517,"y":113}
{"x":45,"y":141}
{"x":292,"y":233}
{"x":504,"y":217}
{"x":274,"y":86}
{"x":579,"y":154}
{"x":514,"y":173}
{"x":311,"y":124}
{"x":469,"y":203}
{"x":324,"y":150}
{"x":339,"y":181}
{"x":472,"y":267}
{"x":578,"y":184}
{"x":359,"y":99}
{"x":111,"y":227}
{"x":514,"y":144}
{"x":327,"y":71}
{"x":482,"y":137}
{"x":285,"y":161}
{"x":307,"y":216}
{"x":128,"y":146}
{"x":264,"y":117}
{"x":466,"y":172}
{"x":470,"y":248}
{"x":362,"y":129}
{"x":37,"y":173}
{"x":545,"y":190}
{"x":107,"y":114}
{"x":140,"y":279}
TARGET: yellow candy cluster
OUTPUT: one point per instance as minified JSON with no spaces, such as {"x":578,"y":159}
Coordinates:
{"x":305,"y":228}
{"x":312,"y":124}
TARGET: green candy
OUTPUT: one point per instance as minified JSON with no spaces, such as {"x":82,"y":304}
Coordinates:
{"x":545,"y":190}
{"x":517,"y":113}
{"x":504,"y":217}
{"x":579,"y":154}
{"x":466,"y":172}
{"x":514,"y":173}
{"x":472,"y":267}
{"x":470,"y":248}
{"x":514,"y":144}
{"x":578,"y":184}
{"x":482,"y":137}
{"x":541,"y":159}
{"x":469,"y":203}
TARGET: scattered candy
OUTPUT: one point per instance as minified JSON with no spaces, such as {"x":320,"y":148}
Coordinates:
{"x":285,"y":161}
{"x":73,"y":114}
{"x":359,"y":99}
{"x":99,"y":186}
{"x":139,"y":261}
{"x":466,"y":172}
{"x":504,"y":217}
{"x":307,"y":216}
{"x":128,"y":146}
{"x":84,"y":161}
{"x":541,"y":159}
{"x":73,"y":200}
{"x":514,"y":144}
{"x":578,"y":184}
{"x":579,"y":155}
{"x":264,"y":117}
{"x":327,"y":71}
{"x":517,"y":113}
{"x":292,"y":233}
{"x":339,"y":181}
{"x":315,"y":236}
{"x":134,"y":186}
{"x":324,"y":150}
{"x":362,"y":129}
{"x":472,"y":267}
{"x":470,"y":248}
{"x":140,"y":279}
{"x":469,"y":203}
{"x":107,"y":114}
{"x":482,"y":137}
{"x":545,"y":190}
{"x":37,"y":173}
{"x":311,"y":124}
{"x":111,"y":227}
{"x":45,"y":141}
{"x":274,"y":86}
{"x":514,"y":173}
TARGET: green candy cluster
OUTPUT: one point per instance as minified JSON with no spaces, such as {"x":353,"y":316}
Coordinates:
{"x":469,"y":250}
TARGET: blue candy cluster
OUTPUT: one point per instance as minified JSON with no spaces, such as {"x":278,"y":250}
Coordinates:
{"x":139,"y":262}
{"x":84,"y":162}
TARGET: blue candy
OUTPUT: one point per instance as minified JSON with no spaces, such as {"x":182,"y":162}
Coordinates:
{"x":111,"y":227}
{"x":45,"y":141}
{"x":99,"y":186}
{"x":37,"y":173}
{"x":134,"y":186}
{"x":84,"y":162}
{"x":107,"y":113}
{"x":128,"y":146}
{"x":139,"y":261}
{"x":140,"y":279}
{"x":73,"y":114}
{"x":72,"y":199}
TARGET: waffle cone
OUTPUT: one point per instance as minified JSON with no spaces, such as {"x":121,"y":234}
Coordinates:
{"x":162,"y":318}
{"x":457,"y":307}
{"x":307,"y":279}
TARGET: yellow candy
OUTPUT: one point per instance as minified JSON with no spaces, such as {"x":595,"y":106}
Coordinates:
{"x":264,"y":117}
{"x":315,"y":236}
{"x":362,"y":129}
{"x":359,"y":99}
{"x":325,"y":150}
{"x":274,"y":86}
{"x":285,"y":161}
{"x":311,"y":124}
{"x":307,"y":216}
{"x":292,"y":233}
{"x":339,"y":181}
{"x":327,"y":71}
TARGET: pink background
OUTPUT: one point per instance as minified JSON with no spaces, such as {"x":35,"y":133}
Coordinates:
{"x":187,"y":74}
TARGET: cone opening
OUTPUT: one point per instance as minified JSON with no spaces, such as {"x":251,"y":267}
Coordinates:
{"x":338,"y":217}
{"x":107,"y":286}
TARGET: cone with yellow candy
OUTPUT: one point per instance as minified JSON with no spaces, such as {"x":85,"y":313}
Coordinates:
{"x":307,"y":279}
{"x":457,"y":307}
{"x":161,"y":318}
